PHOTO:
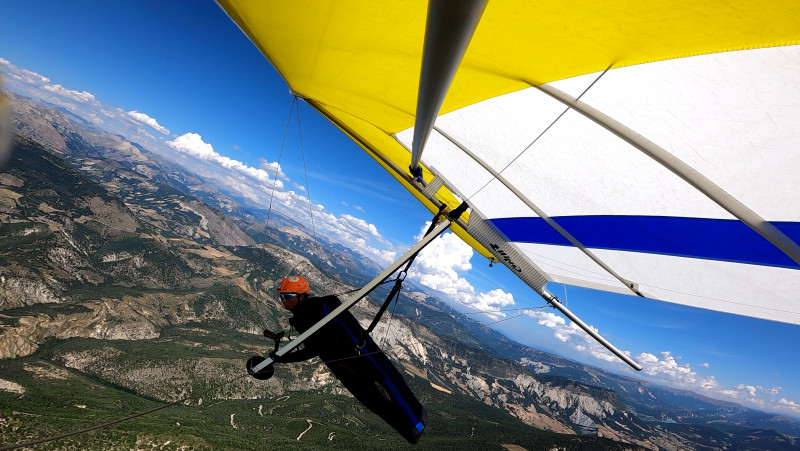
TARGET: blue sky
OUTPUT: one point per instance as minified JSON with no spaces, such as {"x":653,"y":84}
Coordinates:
{"x":185,"y":66}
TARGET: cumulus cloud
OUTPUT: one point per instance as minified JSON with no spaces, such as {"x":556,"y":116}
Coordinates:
{"x":441,"y":265}
{"x":15,"y":73}
{"x":547,"y":319}
{"x":571,"y":334}
{"x":148,"y":121}
{"x":256,"y":184}
{"x":753,"y":390}
{"x":192,"y":144}
{"x":758,"y":397}
{"x":493,"y":300}
{"x":271,"y":168}
{"x":789,"y":405}
{"x":750,"y":389}
{"x":704,"y":365}
{"x":76,"y":96}
{"x":350,"y":231}
{"x":708,"y":383}
{"x":667,"y":365}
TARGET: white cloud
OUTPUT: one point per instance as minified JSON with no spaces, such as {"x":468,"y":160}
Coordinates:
{"x":272,"y":168}
{"x":704,"y":365}
{"x":729,"y":393}
{"x":76,"y":96}
{"x":708,"y":383}
{"x":662,"y":367}
{"x":547,"y":319}
{"x":440,"y":267}
{"x":352,"y":232}
{"x":147,"y":120}
{"x":347,"y":230}
{"x":22,"y":75}
{"x":192,"y":144}
{"x":571,"y":334}
{"x":750,"y":389}
{"x":666,"y":365}
{"x":83,"y":104}
{"x":666,"y":369}
{"x":493,"y":300}
{"x":789,"y":405}
{"x":603,"y":355}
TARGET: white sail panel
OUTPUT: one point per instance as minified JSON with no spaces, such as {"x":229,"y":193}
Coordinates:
{"x":566,"y":264}
{"x":751,"y":290}
{"x":731,"y":116}
{"x":646,"y":224}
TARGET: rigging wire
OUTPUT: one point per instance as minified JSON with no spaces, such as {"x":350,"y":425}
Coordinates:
{"x":308,"y":192}
{"x":391,"y":317}
{"x":272,"y":198}
{"x":540,"y":134}
{"x":280,"y":156}
{"x":93,"y":428}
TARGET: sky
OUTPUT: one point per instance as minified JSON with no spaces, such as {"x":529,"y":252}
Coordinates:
{"x":182,"y":79}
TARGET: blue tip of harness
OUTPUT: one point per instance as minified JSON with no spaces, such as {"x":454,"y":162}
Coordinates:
{"x":420,"y":427}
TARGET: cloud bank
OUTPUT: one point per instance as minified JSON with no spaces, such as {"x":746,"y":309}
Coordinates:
{"x":666,"y":369}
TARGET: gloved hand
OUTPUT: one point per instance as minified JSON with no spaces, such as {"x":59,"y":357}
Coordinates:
{"x":264,"y":374}
{"x":275,"y":357}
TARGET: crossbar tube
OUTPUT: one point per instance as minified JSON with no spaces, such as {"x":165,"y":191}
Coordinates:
{"x":553,"y":300}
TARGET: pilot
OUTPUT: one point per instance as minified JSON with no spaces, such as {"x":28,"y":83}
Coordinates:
{"x":351,"y":355}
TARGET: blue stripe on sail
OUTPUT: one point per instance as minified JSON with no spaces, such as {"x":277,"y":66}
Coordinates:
{"x":713,"y":239}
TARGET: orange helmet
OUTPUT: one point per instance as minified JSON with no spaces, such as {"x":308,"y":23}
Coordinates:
{"x":291,"y":288}
{"x":294,"y":284}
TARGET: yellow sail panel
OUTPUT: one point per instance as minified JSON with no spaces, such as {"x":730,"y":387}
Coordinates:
{"x":364,"y":57}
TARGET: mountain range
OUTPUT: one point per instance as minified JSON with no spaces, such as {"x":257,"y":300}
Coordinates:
{"x":130,"y":280}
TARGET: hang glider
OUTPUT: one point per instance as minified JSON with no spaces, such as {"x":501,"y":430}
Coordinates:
{"x":640,"y":149}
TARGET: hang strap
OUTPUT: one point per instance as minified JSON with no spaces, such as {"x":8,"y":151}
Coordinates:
{"x":398,"y":284}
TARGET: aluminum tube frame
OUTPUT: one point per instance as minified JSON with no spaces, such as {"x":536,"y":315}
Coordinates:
{"x":448,"y":31}
{"x":358,"y":295}
{"x":553,"y":300}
